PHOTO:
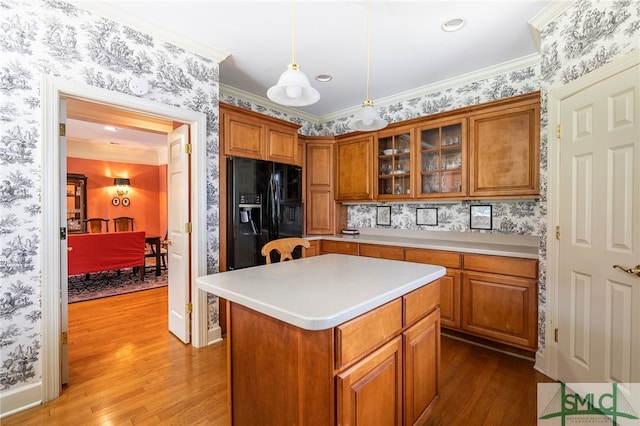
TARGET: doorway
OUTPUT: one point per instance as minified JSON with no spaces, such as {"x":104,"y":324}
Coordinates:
{"x":53,"y":90}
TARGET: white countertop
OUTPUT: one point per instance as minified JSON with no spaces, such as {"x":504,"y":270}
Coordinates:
{"x":320,"y":292}
{"x":464,"y":242}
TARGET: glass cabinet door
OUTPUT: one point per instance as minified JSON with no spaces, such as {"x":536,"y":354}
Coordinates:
{"x":394,"y":165}
{"x":442,"y":160}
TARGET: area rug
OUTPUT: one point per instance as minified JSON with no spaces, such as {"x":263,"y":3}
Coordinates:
{"x":109,"y":283}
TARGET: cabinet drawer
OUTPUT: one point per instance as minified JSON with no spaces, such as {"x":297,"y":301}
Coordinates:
{"x":420,"y":302}
{"x":361,"y":335}
{"x":435,"y":257}
{"x":383,"y":252}
{"x":526,"y":268}
{"x":343,"y":247}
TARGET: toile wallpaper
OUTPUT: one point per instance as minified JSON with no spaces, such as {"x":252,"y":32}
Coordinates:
{"x":586,"y":36}
{"x":54,"y":38}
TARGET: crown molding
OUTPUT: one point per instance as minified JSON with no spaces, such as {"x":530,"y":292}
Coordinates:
{"x":547,"y":15}
{"x":114,"y":13}
{"x":265,"y":102}
{"x":505,"y":67}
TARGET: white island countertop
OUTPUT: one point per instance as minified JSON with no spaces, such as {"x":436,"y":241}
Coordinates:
{"x":320,"y":292}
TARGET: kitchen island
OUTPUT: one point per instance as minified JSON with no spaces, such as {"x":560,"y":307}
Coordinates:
{"x":332,"y":339}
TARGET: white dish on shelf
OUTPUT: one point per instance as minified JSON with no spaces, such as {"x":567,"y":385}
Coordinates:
{"x":389,"y":151}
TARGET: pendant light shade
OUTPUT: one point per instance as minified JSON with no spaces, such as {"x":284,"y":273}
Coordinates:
{"x":367,"y":119}
{"x":293,"y":87}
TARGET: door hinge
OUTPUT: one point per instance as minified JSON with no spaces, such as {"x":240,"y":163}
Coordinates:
{"x":64,"y":338}
{"x":555,"y":335}
{"x":558,"y":131}
{"x":63,"y":233}
{"x":557,"y":232}
{"x":189,"y":308}
{"x":63,"y":129}
{"x":188,"y":227}
{"x":187,"y":148}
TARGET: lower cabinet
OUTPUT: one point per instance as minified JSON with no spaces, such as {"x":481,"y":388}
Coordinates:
{"x":421,"y":351}
{"x":501,"y":308}
{"x":493,"y":297}
{"x":370,"y":392}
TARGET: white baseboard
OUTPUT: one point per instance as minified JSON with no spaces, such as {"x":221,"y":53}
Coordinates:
{"x":214,"y":335}
{"x":14,"y":401}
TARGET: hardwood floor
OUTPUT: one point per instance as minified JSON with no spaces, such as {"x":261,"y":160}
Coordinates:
{"x":126,"y":368}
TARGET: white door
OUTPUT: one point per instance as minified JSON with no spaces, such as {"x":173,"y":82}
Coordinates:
{"x":64,"y":278}
{"x":599,"y":217}
{"x":178,"y":249}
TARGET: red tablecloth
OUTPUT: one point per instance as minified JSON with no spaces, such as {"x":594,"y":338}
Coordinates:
{"x":104,"y":252}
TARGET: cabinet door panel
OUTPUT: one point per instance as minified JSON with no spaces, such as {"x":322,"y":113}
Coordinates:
{"x":243,"y":136}
{"x":422,"y":363}
{"x":282,"y":145}
{"x":450,"y":299}
{"x":504,"y":150}
{"x":353,"y":169}
{"x":320,"y":219}
{"x":370,"y":392}
{"x":500,"y":308}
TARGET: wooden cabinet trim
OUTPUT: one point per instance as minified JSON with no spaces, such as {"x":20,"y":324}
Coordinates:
{"x":342,"y":247}
{"x":420,"y":302}
{"x":448,"y":259}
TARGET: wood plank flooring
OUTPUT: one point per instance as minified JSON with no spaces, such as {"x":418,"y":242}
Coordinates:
{"x":127,"y":369}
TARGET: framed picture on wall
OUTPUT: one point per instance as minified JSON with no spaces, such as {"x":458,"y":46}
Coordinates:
{"x":480,"y":217}
{"x":427,"y":216}
{"x":383,"y":215}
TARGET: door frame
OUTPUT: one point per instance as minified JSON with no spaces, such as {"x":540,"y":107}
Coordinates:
{"x":547,"y":362}
{"x":52,"y":89}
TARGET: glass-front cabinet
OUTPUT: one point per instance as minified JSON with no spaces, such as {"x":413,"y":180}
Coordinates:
{"x":76,"y":202}
{"x":441,"y":160}
{"x":394,"y":164}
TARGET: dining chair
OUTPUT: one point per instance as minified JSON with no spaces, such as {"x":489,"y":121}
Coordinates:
{"x":150,"y":252}
{"x":94,"y":225}
{"x":284,"y":246}
{"x":123,"y":224}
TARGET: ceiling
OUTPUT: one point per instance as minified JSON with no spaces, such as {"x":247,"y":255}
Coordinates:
{"x":408,"y":49}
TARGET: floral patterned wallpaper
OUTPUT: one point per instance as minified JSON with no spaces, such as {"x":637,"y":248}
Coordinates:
{"x":53,"y":38}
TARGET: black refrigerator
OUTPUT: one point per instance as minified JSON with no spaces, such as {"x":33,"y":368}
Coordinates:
{"x":264,"y":204}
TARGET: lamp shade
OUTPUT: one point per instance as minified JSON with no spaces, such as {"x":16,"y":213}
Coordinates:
{"x":367,"y":119}
{"x":293,"y":89}
{"x":121,"y":182}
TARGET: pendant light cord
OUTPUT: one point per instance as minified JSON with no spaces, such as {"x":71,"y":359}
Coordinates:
{"x":368,"y":44}
{"x":293,"y":31}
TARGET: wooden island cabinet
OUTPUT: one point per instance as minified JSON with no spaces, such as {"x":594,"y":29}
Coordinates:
{"x":349,"y":343}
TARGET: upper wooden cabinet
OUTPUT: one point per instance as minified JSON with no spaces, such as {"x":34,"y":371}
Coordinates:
{"x":322,"y":214}
{"x":251,"y":135}
{"x":393,"y":161}
{"x":442,"y":159}
{"x":504,"y":150}
{"x":354,"y":171}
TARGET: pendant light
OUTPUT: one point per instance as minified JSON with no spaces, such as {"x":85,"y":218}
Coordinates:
{"x":293,"y":87}
{"x":368,"y":119}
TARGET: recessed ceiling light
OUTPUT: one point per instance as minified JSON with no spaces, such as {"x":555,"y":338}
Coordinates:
{"x":323,"y":78}
{"x":453,"y":25}
{"x":110,"y":129}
